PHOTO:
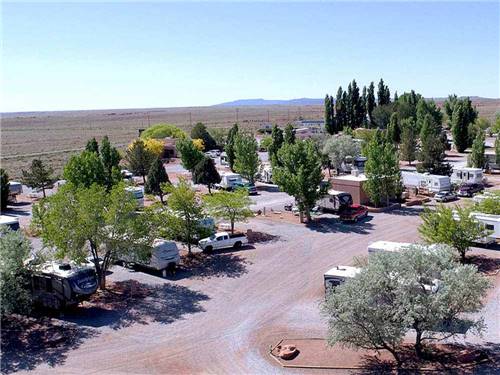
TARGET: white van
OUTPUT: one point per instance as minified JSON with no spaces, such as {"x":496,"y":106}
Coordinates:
{"x":138,"y":194}
{"x":386,"y":246}
{"x":339,"y":275}
{"x":164,"y":255}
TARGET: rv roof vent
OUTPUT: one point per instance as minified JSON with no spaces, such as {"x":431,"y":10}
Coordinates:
{"x":65,"y":266}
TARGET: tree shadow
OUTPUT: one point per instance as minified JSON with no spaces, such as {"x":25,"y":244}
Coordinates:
{"x":130,"y":302}
{"x":405,"y":211}
{"x":14,"y":213}
{"x":219,"y":264}
{"x":29,"y":342}
{"x":330,"y":225}
{"x":484,"y":264}
{"x":261,"y":237}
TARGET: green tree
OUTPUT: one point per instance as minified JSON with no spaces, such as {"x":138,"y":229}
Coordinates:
{"x":4,"y":188}
{"x":110,"y":158}
{"x":449,"y":105}
{"x":339,"y":148}
{"x":277,"y":142}
{"x":157,"y":176}
{"x":370,"y":103}
{"x":15,"y":250}
{"x":181,"y":218}
{"x":383,"y":93}
{"x":364,"y":99}
{"x":340,"y":109}
{"x":38,"y":176}
{"x":232,"y":206}
{"x":84,"y":170}
{"x":77,"y":221}
{"x":426,"y":110}
{"x":160,"y":131}
{"x":329,"y":115}
{"x":396,"y":291}
{"x":408,"y":147}
{"x":382,"y":171}
{"x":497,"y":149}
{"x":382,"y":115}
{"x":300,"y":174}
{"x":200,"y":132}
{"x":463,"y":115}
{"x":289,"y":135}
{"x":394,"y":129}
{"x":233,"y":132}
{"x":458,"y":229}
{"x":477,"y":158}
{"x":265,"y":143}
{"x":205,"y":173}
{"x":92,"y":146}
{"x":246,"y":160}
{"x":190,"y":155}
{"x":219,"y":135}
{"x":489,"y":205}
{"x":139,"y":158}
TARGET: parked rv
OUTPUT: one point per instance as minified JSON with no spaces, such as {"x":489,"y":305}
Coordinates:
{"x":229,"y":181}
{"x":11,"y":221}
{"x":57,"y":285}
{"x":338,"y":275}
{"x":386,"y":246}
{"x":138,"y":194}
{"x":491,"y":223}
{"x":223,"y":159}
{"x":127,"y":175}
{"x":223,"y":240}
{"x":164,"y":256}
{"x":467,"y":175}
{"x":335,"y":201}
{"x":426,"y":183}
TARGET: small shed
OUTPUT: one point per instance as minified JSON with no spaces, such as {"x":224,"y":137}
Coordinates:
{"x":352,"y":184}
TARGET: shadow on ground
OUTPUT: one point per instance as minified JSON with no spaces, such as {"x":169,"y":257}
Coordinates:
{"x":484,"y":264}
{"x":221,"y":263}
{"x":330,"y":225}
{"x":405,"y":211}
{"x":130,"y":302}
{"x":29,"y":342}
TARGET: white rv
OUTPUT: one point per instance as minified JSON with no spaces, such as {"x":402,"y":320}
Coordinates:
{"x":230,"y":181}
{"x":424,"y":181}
{"x":339,"y":275}
{"x":223,"y":159}
{"x":266,"y":174}
{"x":138,"y":194}
{"x":467,"y":175}
{"x":386,"y":246}
{"x":15,"y":188}
{"x":164,"y":255}
{"x":335,"y":201}
{"x":491,"y":223}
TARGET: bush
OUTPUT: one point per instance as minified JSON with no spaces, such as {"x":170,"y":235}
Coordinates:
{"x":159,"y":131}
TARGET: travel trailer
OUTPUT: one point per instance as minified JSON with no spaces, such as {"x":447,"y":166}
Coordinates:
{"x":266,"y":174}
{"x":338,"y":275}
{"x":229,"y":181}
{"x":426,"y":183}
{"x":138,"y":194}
{"x":57,"y":285}
{"x":491,"y":223}
{"x":164,"y":255}
{"x":335,"y":201}
{"x":11,"y":221}
{"x":386,"y":246}
{"x":467,"y":175}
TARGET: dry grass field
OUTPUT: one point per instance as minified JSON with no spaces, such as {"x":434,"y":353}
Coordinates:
{"x":54,"y":136}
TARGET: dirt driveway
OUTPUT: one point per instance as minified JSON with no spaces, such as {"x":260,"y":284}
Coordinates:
{"x":223,"y":318}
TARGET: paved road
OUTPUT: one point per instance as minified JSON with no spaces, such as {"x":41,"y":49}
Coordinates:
{"x":224,"y":319}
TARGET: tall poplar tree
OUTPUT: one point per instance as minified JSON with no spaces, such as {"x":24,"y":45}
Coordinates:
{"x":370,"y":103}
{"x":229,"y":148}
{"x":340,"y":109}
{"x":329,"y":125}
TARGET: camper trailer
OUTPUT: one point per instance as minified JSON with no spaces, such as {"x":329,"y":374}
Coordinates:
{"x":57,"y":285}
{"x":229,"y":181}
{"x":386,"y":246}
{"x":11,"y":221}
{"x":338,"y":275}
{"x":467,"y":175}
{"x":164,"y":255}
{"x":426,"y":183}
{"x":335,"y":201}
{"x":138,"y":194}
{"x":491,"y":223}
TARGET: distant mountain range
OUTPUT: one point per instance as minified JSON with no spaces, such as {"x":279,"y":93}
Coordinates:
{"x":305,"y":101}
{"x":260,"y":102}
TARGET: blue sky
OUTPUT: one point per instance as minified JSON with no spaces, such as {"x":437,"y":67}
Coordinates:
{"x":59,"y":56}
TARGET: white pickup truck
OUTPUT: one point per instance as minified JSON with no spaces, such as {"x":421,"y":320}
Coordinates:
{"x":223,"y":240}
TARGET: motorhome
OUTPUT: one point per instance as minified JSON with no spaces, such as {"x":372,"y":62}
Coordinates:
{"x":138,"y":194}
{"x":164,"y":256}
{"x":10,"y":221}
{"x":57,"y":285}
{"x":334,"y":201}
{"x":426,"y":183}
{"x":386,"y":246}
{"x":230,"y":181}
{"x":338,"y":275}
{"x":467,"y":175}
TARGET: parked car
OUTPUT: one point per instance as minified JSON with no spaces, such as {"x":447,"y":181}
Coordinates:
{"x":251,"y":188}
{"x":353,"y":213}
{"x":468,"y":190}
{"x":445,"y":196}
{"x":223,"y":240}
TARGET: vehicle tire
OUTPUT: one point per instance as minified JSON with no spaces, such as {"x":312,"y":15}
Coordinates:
{"x":237,"y":245}
{"x":208,"y":249}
